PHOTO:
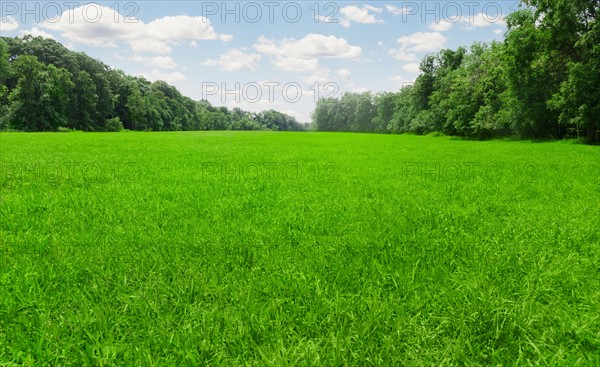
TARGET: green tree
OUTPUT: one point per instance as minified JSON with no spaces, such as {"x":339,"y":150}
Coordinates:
{"x":5,"y":72}
{"x":404,"y":111}
{"x":136,"y":111}
{"x":40,"y":100}
{"x":83,"y":103}
{"x":324,"y":114}
{"x":385,"y":104}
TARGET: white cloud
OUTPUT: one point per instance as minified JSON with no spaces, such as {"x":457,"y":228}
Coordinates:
{"x":401,"y":82}
{"x":170,"y":78}
{"x":296,"y":63}
{"x":312,"y":45}
{"x":422,"y":42}
{"x":320,"y":76}
{"x":441,"y":26}
{"x":109,"y":27}
{"x":482,"y":20}
{"x":193,"y":44}
{"x":303,"y":55}
{"x":402,"y":56}
{"x":373,"y":8}
{"x":148,"y":45}
{"x":411,"y":68}
{"x":8,"y":24}
{"x":181,"y":27}
{"x":362,"y":15}
{"x":235,"y":60}
{"x":344,"y":74}
{"x":417,"y":42}
{"x":210,"y":62}
{"x":359,"y":90}
{"x":394,"y":9}
{"x":36,"y":32}
{"x":163,"y":62}
{"x":498,"y":31}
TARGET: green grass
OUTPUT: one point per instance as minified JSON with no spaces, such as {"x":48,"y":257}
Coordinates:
{"x":297,"y":249}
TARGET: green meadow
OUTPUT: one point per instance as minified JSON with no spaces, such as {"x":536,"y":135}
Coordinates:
{"x":297,"y":249}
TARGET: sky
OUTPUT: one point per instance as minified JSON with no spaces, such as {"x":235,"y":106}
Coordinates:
{"x":260,"y":55}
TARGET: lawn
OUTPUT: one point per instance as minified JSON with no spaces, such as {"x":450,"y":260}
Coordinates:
{"x":297,"y":249}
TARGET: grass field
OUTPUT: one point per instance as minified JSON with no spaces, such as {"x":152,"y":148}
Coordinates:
{"x":297,"y":249}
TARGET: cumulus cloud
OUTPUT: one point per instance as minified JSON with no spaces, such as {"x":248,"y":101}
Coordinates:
{"x":362,"y":15}
{"x":8,"y":24}
{"x":422,"y":42}
{"x":373,"y":8}
{"x":226,"y":37}
{"x":394,"y":9}
{"x":344,"y":74}
{"x":441,"y":26}
{"x":401,"y":81}
{"x":303,"y":55}
{"x":97,"y":25}
{"x":482,"y":20}
{"x":149,"y":45}
{"x":402,"y":56}
{"x":296,"y":63}
{"x":320,"y":76}
{"x":163,"y":62}
{"x":411,"y":68}
{"x":170,"y":78}
{"x":469,"y":22}
{"x":312,"y":45}
{"x":36,"y":32}
{"x":417,"y":42}
{"x":235,"y":60}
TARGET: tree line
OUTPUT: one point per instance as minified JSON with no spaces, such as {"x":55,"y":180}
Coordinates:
{"x":541,"y":82}
{"x":46,"y":87}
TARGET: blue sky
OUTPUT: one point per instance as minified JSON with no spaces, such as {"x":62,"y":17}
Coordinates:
{"x":263,"y":54}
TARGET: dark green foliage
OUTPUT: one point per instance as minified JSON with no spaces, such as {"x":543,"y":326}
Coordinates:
{"x":114,"y":124}
{"x":39,"y":102}
{"x":5,"y":71}
{"x":46,"y":87}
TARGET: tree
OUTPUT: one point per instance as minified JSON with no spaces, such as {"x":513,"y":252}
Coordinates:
{"x":136,"y":111}
{"x":385,"y":104}
{"x":5,"y":72}
{"x":575,"y":33}
{"x":404,"y":112}
{"x":323,"y":115}
{"x":83,"y":103}
{"x":40,"y":100}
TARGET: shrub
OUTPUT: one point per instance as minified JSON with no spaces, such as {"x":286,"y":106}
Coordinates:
{"x":114,"y":124}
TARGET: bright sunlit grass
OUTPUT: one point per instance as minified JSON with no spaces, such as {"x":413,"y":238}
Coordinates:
{"x":306,"y":249}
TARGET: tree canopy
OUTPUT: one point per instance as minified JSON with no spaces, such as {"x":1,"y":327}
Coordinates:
{"x":540,"y":82}
{"x":46,"y":87}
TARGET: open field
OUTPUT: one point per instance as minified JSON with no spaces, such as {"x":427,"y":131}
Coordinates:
{"x":297,"y":249}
